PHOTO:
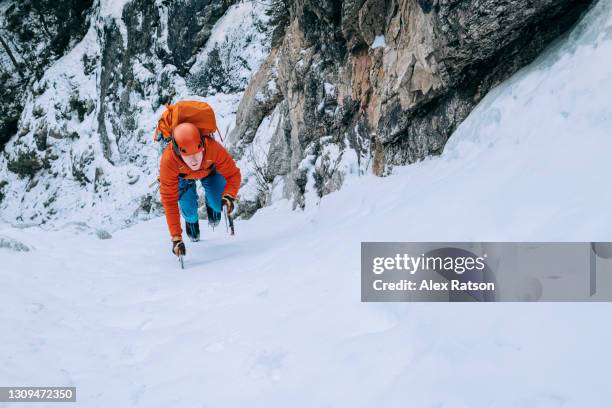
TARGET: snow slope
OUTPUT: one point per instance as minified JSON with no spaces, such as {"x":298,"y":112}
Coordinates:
{"x":272,"y":316}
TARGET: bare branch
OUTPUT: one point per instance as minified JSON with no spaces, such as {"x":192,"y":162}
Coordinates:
{"x":12,"y":57}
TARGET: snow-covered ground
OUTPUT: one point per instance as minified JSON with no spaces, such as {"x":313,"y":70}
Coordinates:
{"x":272,"y":316}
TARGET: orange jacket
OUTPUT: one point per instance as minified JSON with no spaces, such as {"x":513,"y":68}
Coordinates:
{"x":172,"y":166}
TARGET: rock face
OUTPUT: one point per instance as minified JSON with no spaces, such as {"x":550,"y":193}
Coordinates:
{"x":363,"y":85}
{"x":34,"y":35}
{"x":311,"y":92}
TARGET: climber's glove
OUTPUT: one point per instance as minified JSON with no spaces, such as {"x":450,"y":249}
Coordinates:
{"x":178,"y":246}
{"x":228,"y":201}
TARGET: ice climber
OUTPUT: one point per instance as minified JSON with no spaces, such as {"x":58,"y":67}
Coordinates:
{"x":193,"y":156}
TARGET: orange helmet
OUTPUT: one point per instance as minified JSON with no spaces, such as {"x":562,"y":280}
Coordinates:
{"x":187,"y":140}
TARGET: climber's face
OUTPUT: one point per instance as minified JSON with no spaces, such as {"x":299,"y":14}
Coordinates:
{"x":194,"y":160}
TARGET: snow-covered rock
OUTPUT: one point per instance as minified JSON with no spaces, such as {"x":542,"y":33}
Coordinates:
{"x":13,"y":244}
{"x":84,"y":150}
{"x":374,"y":83}
{"x":311,"y":93}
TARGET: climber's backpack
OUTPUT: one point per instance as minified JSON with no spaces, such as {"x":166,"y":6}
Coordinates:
{"x":196,"y":112}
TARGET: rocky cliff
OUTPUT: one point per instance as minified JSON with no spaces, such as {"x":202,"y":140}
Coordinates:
{"x":363,"y":85}
{"x":310,"y":92}
{"x":34,"y":35}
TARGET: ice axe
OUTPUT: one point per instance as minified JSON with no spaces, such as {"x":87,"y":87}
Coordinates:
{"x":180,"y":259}
{"x":229,"y":222}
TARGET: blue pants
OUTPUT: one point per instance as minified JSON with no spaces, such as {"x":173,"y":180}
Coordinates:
{"x":188,"y":197}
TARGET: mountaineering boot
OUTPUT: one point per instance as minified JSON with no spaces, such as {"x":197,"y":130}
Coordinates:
{"x":214,"y":218}
{"x":193,"y":230}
